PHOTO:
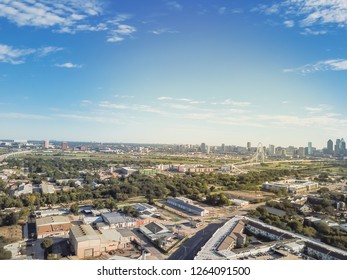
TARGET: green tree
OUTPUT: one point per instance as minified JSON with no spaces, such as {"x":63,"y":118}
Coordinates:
{"x":111,"y":204}
{"x":5,"y":254}
{"x":323,"y":228}
{"x":74,"y":208}
{"x":296,"y":226}
{"x":47,"y":243}
{"x":309,"y":231}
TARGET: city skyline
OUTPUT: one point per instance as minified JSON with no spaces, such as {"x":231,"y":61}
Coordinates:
{"x":174,"y":72}
{"x":330,"y":146}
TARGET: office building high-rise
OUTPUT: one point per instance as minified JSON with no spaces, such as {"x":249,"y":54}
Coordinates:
{"x":223,"y":148}
{"x":301,"y":152}
{"x":203,"y":147}
{"x":46,"y":144}
{"x":330,"y":147}
{"x":342,"y":147}
{"x":249,"y":146}
{"x":271,"y":150}
{"x":309,"y":149}
{"x":64,"y":146}
{"x":337,"y":147}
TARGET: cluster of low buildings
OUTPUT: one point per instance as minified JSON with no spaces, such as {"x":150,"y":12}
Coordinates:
{"x":126,"y":171}
{"x":101,"y":231}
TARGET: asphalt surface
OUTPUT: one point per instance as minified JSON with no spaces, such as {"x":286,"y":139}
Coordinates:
{"x":146,"y":243}
{"x":189,"y":249}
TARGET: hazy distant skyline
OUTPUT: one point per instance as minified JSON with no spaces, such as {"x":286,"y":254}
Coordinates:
{"x":161,"y":71}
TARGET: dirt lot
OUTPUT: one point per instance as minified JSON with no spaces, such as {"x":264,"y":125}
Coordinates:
{"x":250,"y":196}
{"x":14,"y":232}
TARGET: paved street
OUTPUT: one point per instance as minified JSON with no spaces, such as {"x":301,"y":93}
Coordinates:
{"x":155,"y":253}
{"x":192,"y":246}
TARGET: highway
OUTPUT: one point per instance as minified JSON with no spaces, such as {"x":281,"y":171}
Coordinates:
{"x":5,"y":156}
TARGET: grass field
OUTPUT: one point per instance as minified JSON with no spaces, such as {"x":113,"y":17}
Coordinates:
{"x":11,"y":232}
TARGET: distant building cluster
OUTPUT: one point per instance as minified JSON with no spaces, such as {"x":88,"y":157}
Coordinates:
{"x":332,"y":149}
{"x":183,"y":168}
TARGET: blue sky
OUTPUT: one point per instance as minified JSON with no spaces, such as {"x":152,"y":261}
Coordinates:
{"x":162,"y":71}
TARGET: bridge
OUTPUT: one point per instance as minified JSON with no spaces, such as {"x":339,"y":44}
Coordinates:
{"x":260,"y":157}
{"x":14,"y":154}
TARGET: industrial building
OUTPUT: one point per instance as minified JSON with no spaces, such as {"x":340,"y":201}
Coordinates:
{"x":52,"y":226}
{"x":87,"y":242}
{"x":186,"y":205}
{"x":117,"y":220}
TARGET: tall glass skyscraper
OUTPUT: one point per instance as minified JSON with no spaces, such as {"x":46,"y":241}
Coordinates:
{"x":330,"y":147}
{"x":342,"y":147}
{"x":337,"y":147}
{"x":309,"y":148}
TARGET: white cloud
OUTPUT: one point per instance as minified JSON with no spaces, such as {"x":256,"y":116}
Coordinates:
{"x":68,"y":65}
{"x":118,"y":31}
{"x":318,"y":109}
{"x":289,"y":23}
{"x":86,"y":102}
{"x":11,"y":55}
{"x":180,"y":106}
{"x":267,"y":9}
{"x":124,"y":96}
{"x":14,"y":115}
{"x":89,"y":118}
{"x":114,"y":38}
{"x":87,"y":27}
{"x":235,"y":103}
{"x":164,"y":98}
{"x":64,"y":16}
{"x":187,"y":100}
{"x":174,"y":5}
{"x":321,"y":121}
{"x":48,"y":50}
{"x":326,"y":65}
{"x":309,"y":31}
{"x":197,"y":102}
{"x":107,"y":104}
{"x":222,"y":10}
{"x":124,"y":29}
{"x":184,"y":99}
{"x":45,"y":13}
{"x":161,"y":31}
{"x":238,"y":111}
{"x":327,"y":13}
{"x":133,"y":107}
